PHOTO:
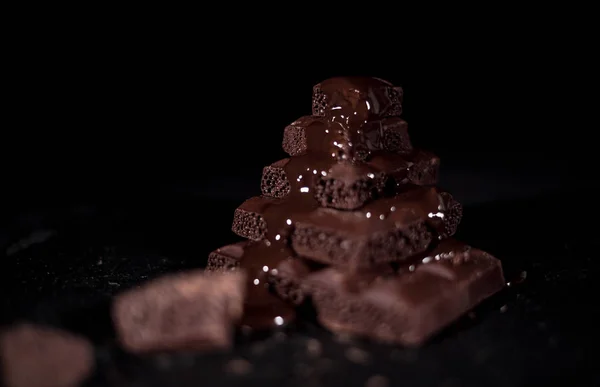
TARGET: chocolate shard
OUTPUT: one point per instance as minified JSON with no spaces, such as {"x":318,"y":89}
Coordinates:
{"x":313,"y":134}
{"x":226,"y":258}
{"x":356,"y":98}
{"x":410,"y":305}
{"x":185,"y":311}
{"x":37,"y":356}
{"x":347,"y":185}
{"x":386,"y":230}
{"x":248,"y":221}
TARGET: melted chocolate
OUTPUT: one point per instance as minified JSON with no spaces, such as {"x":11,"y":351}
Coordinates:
{"x":351,"y":111}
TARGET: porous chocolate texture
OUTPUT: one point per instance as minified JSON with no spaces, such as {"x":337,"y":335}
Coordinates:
{"x":248,"y":221}
{"x":38,"y":356}
{"x":285,"y":278}
{"x":408,"y":306}
{"x":367,"y":98}
{"x":226,"y":258}
{"x":313,"y":134}
{"x":352,"y":220}
{"x":186,"y":311}
{"x":386,"y":230}
{"x":349,"y":186}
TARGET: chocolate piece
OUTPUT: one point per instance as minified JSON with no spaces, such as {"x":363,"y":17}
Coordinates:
{"x":356,"y":99}
{"x":285,"y":276}
{"x":345,"y":185}
{"x":185,"y":311}
{"x":226,"y":258}
{"x":248,"y":221}
{"x":423,"y":169}
{"x":386,"y":230}
{"x":313,"y":134}
{"x":411,"y":305}
{"x":288,"y":277}
{"x":36,"y":356}
{"x":262,"y":309}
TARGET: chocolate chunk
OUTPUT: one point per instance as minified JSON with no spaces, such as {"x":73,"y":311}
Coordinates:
{"x":386,"y":230}
{"x":313,"y":134}
{"x":348,"y":186}
{"x":288,"y":278}
{"x":248,"y":221}
{"x":411,"y":305}
{"x":227,"y":257}
{"x":36,"y":356}
{"x":358,"y":98}
{"x":345,"y":185}
{"x":186,"y":311}
{"x":285,"y":277}
{"x":424,"y":168}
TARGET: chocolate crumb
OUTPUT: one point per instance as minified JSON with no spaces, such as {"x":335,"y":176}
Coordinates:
{"x":239,"y":366}
{"x":377,"y":381}
{"x":357,"y":355}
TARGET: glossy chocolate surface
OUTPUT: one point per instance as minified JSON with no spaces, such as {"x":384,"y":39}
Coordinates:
{"x":354,"y":120}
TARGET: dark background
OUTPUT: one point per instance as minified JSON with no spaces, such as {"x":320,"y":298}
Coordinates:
{"x":133,"y":149}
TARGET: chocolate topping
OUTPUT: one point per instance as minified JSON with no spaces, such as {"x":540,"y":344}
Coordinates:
{"x":346,"y":185}
{"x":312,"y":134}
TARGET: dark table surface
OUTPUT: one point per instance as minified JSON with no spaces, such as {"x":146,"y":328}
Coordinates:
{"x":62,"y":265}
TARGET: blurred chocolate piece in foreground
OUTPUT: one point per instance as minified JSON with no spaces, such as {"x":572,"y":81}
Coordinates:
{"x":37,"y":356}
{"x":187,"y":311}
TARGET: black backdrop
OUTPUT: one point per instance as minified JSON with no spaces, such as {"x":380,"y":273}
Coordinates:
{"x":144,"y":141}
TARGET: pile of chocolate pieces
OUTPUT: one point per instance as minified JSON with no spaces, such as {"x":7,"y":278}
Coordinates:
{"x":351,"y":223}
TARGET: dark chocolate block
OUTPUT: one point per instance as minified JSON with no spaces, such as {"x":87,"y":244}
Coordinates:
{"x":386,"y":230}
{"x":411,"y":305}
{"x":285,"y":277}
{"x":227,"y":257}
{"x":36,"y":356}
{"x":346,"y":185}
{"x":358,"y":99}
{"x":248,"y":220}
{"x":315,"y":134}
{"x":186,"y":311}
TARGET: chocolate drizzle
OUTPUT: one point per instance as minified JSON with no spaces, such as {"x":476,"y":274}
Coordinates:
{"x":354,"y":120}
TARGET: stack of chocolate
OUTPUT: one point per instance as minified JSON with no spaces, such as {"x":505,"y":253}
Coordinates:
{"x":352,"y":222}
